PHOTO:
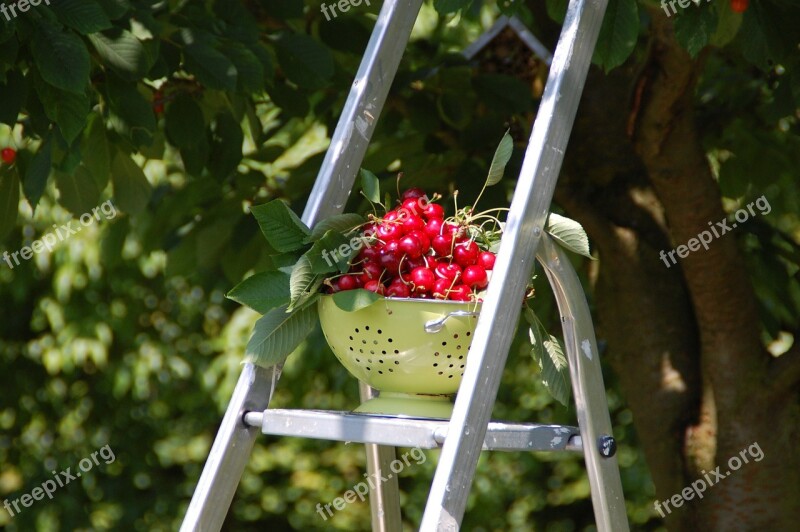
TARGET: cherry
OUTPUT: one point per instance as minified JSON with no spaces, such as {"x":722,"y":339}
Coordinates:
{"x":433,"y":211}
{"x":390,"y":256}
{"x":424,"y":241}
{"x":411,"y":205}
{"x":9,"y":155}
{"x":451,"y":272}
{"x":475,"y":276}
{"x":466,"y":254}
{"x":374,"y":286}
{"x":433,"y":227}
{"x":413,"y":193}
{"x":442,"y":245}
{"x":460,"y":292}
{"x":420,"y":262}
{"x":486,"y":259}
{"x":370,"y":253}
{"x":411,"y":246}
{"x":422,"y":279}
{"x":739,"y":6}
{"x":398,"y":289}
{"x":372,"y":271}
{"x":413,"y":223}
{"x":441,"y":288}
{"x":347,"y":282}
{"x":390,"y":231}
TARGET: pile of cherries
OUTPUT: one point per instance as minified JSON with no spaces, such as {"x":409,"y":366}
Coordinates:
{"x":412,"y":251}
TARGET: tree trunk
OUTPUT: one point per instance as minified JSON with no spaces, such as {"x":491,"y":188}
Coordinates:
{"x":684,"y":339}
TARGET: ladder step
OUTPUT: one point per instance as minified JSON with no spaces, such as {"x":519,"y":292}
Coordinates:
{"x":409,"y":432}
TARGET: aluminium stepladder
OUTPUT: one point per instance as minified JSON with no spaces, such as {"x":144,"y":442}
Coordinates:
{"x":469,"y":430}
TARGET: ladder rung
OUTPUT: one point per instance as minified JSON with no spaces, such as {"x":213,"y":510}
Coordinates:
{"x":409,"y":432}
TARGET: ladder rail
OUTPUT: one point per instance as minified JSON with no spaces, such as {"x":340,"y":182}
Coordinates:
{"x":588,"y":388}
{"x":523,"y":230}
{"x":234,"y":442}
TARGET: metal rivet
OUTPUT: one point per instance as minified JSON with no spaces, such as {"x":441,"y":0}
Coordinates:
{"x":607,"y":446}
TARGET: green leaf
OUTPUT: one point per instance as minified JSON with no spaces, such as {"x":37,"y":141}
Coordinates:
{"x":37,"y":174}
{"x":84,"y":16}
{"x":9,"y":199}
{"x":60,"y":56}
{"x":303,"y":283}
{"x":618,"y":34}
{"x":728,"y":25}
{"x":115,"y":8}
{"x":226,"y":146}
{"x":569,"y":234}
{"x":444,"y":7}
{"x":68,"y":110}
{"x":211,"y":67}
{"x":131,"y":189}
{"x":555,"y":370}
{"x":325,"y":256}
{"x":12,"y":94}
{"x":262,"y":292}
{"x":352,"y":300}
{"x":341,"y":223}
{"x":278,"y":333}
{"x":248,"y":66}
{"x":501,"y":157}
{"x":305,"y":61}
{"x":282,"y":228}
{"x":123,"y":52}
{"x":370,"y":186}
{"x":95,"y":151}
{"x":78,"y":191}
{"x":185,"y":125}
{"x":557,"y":10}
{"x":694,"y":29}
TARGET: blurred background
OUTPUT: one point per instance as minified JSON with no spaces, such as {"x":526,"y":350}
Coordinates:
{"x":184,"y":114}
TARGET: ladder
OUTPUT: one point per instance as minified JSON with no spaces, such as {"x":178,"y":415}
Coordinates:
{"x":470,"y":430}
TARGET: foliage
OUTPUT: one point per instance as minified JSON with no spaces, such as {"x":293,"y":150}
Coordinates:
{"x":188,"y":113}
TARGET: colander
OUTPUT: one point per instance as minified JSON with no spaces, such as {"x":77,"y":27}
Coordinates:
{"x":413,"y":351}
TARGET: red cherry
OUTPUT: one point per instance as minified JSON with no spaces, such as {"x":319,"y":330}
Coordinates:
{"x":398,"y":289}
{"x":372,"y":271}
{"x":9,"y":155}
{"x":370,"y":254}
{"x":486,"y":259}
{"x":411,"y":205}
{"x":424,"y":241}
{"x":466,"y":254}
{"x":422,"y":279}
{"x":411,"y":246}
{"x":412,"y":222}
{"x":390,"y":231}
{"x":413,"y":193}
{"x":460,"y":292}
{"x":441,"y":288}
{"x":739,"y":6}
{"x":451,"y":272}
{"x":347,"y":282}
{"x":433,"y":227}
{"x":475,"y":277}
{"x":390,"y":256}
{"x":420,"y":262}
{"x":158,"y":108}
{"x":374,"y":286}
{"x":442,"y":245}
{"x":434,"y":211}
